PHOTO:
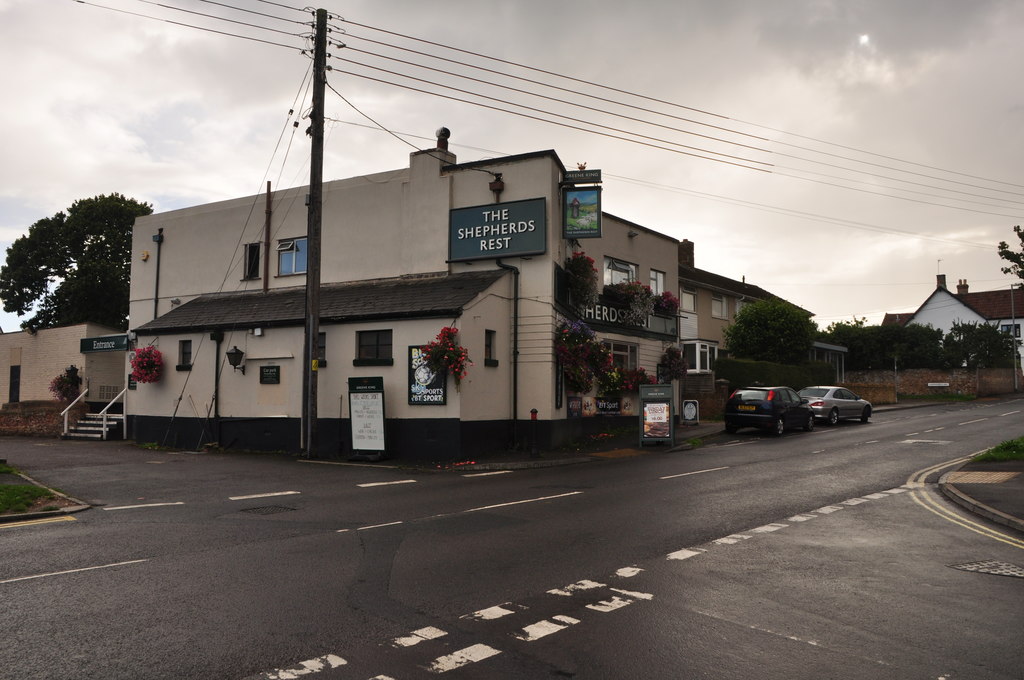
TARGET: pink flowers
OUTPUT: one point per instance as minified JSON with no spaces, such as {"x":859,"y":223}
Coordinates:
{"x":147,"y":365}
{"x":445,"y":354}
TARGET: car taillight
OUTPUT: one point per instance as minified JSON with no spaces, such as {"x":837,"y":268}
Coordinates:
{"x":817,"y":403}
{"x":771,"y":395}
{"x":733,"y":394}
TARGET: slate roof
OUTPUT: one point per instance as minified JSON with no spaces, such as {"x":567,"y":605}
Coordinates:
{"x":405,"y":297}
{"x":740,"y":289}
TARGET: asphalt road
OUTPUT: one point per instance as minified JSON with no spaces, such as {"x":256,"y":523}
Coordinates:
{"x":813,"y":555}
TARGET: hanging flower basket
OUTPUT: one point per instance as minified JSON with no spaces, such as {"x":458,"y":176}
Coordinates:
{"x":638,"y":298}
{"x":581,"y":275}
{"x":65,"y":387}
{"x":666,"y":304}
{"x":445,"y":355}
{"x":582,"y":356}
{"x":674,"y":363}
{"x":634,"y":378}
{"x":147,"y":365}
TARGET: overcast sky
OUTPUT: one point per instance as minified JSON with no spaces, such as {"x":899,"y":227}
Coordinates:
{"x":837,"y":153}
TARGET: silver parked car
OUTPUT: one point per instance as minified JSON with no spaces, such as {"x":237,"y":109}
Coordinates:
{"x":831,"y":403}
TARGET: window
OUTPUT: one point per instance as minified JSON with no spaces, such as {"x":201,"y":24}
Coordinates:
{"x":490,"y":338}
{"x":184,"y":355}
{"x":657,"y":282}
{"x":1006,"y":328}
{"x":373,"y":348}
{"x":624,"y":354}
{"x":700,"y":356}
{"x":688,"y":299}
{"x":291,"y":256}
{"x":718,"y":306}
{"x":618,"y":271}
{"x":251,"y":261}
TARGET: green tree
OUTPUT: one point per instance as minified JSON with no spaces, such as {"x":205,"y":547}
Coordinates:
{"x":977,"y":345}
{"x":1015,"y":258}
{"x":877,"y":347}
{"x":772,"y":330}
{"x":74,"y":267}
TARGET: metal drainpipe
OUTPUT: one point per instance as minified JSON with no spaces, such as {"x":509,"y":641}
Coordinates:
{"x":159,"y":238}
{"x":515,"y":346}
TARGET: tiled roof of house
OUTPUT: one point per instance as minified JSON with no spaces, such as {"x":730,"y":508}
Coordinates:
{"x":995,"y":304}
{"x":739,"y":289}
{"x":897,"y":319}
{"x":406,"y":297}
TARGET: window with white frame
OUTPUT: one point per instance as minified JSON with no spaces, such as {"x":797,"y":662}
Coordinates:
{"x":1011,"y":329}
{"x":657,"y":282}
{"x":291,"y":256}
{"x":688,"y":299}
{"x":718,"y":309}
{"x":618,"y":271}
{"x":700,"y":356}
{"x":624,"y":354}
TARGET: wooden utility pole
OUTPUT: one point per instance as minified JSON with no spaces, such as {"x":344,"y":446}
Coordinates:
{"x":316,"y":181}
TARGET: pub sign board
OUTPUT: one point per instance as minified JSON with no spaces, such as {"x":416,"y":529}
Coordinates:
{"x":581,"y":212}
{"x":498,"y":230}
{"x":426,"y":388}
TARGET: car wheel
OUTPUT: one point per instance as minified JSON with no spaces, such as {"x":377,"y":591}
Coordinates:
{"x":809,"y":425}
{"x":731,"y":429}
{"x":780,"y":426}
{"x":833,"y":416}
{"x":865,"y":415}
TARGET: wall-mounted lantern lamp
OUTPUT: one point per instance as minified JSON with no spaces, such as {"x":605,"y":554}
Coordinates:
{"x":234,"y":356}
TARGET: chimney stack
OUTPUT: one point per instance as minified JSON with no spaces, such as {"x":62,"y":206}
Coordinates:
{"x":686,"y":253}
{"x":961,"y":287}
{"x":940,"y":281}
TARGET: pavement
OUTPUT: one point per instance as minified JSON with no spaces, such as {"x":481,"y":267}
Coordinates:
{"x":992,"y":490}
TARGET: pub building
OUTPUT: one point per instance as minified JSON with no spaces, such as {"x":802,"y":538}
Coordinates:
{"x":219,"y":290}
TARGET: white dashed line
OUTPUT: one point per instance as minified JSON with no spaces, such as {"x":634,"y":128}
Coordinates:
{"x":144,"y":505}
{"x":574,"y":587}
{"x":828,"y":509}
{"x":605,"y":606}
{"x":855,"y":501}
{"x":800,"y":518}
{"x":971,"y":422}
{"x":263,"y":495}
{"x":731,"y":539}
{"x":1011,"y":413}
{"x":321,"y":663}
{"x":684,"y":554}
{"x":469,"y":655}
{"x":489,"y":614}
{"x":487,"y":474}
{"x":544,"y":628}
{"x":633,"y":594}
{"x":378,"y":526}
{"x":418,"y":636}
{"x":71,"y":571}
{"x":528,"y":500}
{"x":698,"y":472}
{"x":768,"y":528}
{"x":401,"y":481}
{"x":628,"y":572}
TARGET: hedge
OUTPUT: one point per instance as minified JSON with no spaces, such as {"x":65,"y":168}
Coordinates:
{"x":745,"y":373}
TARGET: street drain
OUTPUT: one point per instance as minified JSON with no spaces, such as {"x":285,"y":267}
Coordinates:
{"x":992,"y":567}
{"x":268,"y":509}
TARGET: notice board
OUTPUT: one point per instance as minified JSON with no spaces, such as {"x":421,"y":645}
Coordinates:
{"x":366,"y":414}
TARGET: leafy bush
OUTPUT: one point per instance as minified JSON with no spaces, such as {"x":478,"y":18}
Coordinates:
{"x":743,"y":372}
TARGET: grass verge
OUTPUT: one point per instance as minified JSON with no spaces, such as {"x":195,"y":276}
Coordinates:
{"x":1008,"y":450}
{"x":20,"y":497}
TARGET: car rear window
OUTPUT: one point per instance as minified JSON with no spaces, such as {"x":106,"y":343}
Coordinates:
{"x":749,"y":395}
{"x":813,"y":392}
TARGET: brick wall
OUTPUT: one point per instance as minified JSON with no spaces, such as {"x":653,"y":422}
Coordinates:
{"x":924,"y":382}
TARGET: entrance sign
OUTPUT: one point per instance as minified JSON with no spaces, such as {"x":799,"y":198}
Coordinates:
{"x":366,"y":415}
{"x":656,"y":414}
{"x":104,"y":343}
{"x":498,"y":230}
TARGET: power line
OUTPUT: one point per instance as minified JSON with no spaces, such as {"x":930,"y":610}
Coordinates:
{"x":214,"y":16}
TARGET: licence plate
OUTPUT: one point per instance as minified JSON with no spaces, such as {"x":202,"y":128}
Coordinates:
{"x":746,"y":407}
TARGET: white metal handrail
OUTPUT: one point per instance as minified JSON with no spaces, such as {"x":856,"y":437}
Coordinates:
{"x":124,"y":419}
{"x":71,"y":405}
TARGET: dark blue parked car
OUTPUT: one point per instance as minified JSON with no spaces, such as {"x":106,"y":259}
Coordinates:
{"x":768,"y":408}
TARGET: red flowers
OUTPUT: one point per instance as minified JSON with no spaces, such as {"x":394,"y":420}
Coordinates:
{"x":147,"y":364}
{"x":445,"y":354}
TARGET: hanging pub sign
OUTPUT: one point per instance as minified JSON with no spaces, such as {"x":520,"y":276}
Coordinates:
{"x":498,"y":230}
{"x":581,"y":177}
{"x":425,"y":386}
{"x":366,"y":416}
{"x":581,"y":212}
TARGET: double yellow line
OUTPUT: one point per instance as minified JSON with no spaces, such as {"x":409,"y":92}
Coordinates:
{"x":45,"y":520}
{"x":926,"y":501}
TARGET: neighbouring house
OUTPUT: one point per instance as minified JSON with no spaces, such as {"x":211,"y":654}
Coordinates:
{"x":479,"y":246}
{"x":943,"y":308}
{"x":29,"y":360}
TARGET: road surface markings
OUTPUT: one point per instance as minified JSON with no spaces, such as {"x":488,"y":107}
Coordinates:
{"x":487,"y":474}
{"x":924,"y":441}
{"x":400,"y":481}
{"x":471,"y":654}
{"x":698,"y":472}
{"x":337,"y":462}
{"x":730,"y":539}
{"x":605,"y":606}
{"x":800,"y":518}
{"x":378,"y":526}
{"x":684,"y":554}
{"x":144,"y":505}
{"x":971,"y":422}
{"x":1011,"y":413}
{"x":544,"y":628}
{"x":320,"y":663}
{"x":633,"y":594}
{"x":72,"y":571}
{"x":528,"y":500}
{"x":855,"y":501}
{"x":828,"y":509}
{"x":418,"y":636}
{"x":45,"y":520}
{"x":491,"y":613}
{"x":574,"y":587}
{"x":263,"y":495}
{"x":768,"y":528}
{"x":628,"y":572}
